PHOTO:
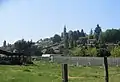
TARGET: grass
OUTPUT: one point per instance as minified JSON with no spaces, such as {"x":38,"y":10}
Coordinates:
{"x":49,"y":72}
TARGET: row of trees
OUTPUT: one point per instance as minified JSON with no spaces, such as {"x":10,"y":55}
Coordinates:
{"x":22,"y":46}
{"x":109,"y":36}
{"x":72,"y":39}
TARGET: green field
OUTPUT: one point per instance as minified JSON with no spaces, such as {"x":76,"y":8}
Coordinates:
{"x":49,"y":72}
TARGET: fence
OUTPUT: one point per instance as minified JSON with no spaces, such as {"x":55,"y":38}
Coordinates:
{"x":65,"y":69}
{"x":91,"y":61}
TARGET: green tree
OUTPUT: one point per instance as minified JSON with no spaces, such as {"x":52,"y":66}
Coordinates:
{"x":91,"y":36}
{"x":66,"y":44}
{"x":101,"y":38}
{"x":70,"y":37}
{"x":97,"y":32}
{"x":4,"y":43}
{"x":56,"y":38}
{"x":75,"y":38}
{"x":78,"y":33}
{"x":82,"y":33}
{"x":112,"y":35}
{"x":62,"y":35}
{"x":23,"y":46}
{"x":83,"y":40}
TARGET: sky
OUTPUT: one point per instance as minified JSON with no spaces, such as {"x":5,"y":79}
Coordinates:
{"x":36,"y":19}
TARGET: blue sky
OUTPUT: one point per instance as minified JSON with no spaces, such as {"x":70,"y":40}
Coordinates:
{"x":35,"y":19}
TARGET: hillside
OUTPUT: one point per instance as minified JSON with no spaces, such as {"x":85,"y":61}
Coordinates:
{"x":77,"y":43}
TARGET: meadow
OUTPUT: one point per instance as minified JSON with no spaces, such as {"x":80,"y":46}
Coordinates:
{"x":51,"y":72}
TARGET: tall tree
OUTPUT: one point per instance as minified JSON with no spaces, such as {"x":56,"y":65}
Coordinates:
{"x":97,"y":32}
{"x":91,"y":36}
{"x":4,"y":43}
{"x":75,"y":38}
{"x":91,"y":32}
{"x":78,"y":33}
{"x":62,"y":35}
{"x":101,"y":38}
{"x":66,"y":44}
{"x":70,"y":37}
{"x":82,"y":33}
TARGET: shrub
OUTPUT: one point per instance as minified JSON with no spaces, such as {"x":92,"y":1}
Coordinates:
{"x":75,"y":51}
{"x":92,"y":51}
{"x":82,"y":51}
{"x":115,"y":52}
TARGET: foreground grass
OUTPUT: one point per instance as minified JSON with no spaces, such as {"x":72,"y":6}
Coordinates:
{"x":49,"y":72}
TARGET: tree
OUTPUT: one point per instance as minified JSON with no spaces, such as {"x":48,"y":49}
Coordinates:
{"x":91,"y":32}
{"x":75,"y":38}
{"x":27,"y":47}
{"x":35,"y":50}
{"x":61,"y":48}
{"x":83,"y":40}
{"x":112,"y":35}
{"x":101,"y":38}
{"x":70,"y":37}
{"x":82,"y":33}
{"x":62,"y":35}
{"x":75,"y":35}
{"x":78,"y":33}
{"x":97,"y":32}
{"x":4,"y":43}
{"x":23,"y":46}
{"x":66,"y":44}
{"x":91,"y":36}
{"x":56,"y":38}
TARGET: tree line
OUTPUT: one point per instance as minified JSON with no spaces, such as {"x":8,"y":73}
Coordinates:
{"x":78,"y":42}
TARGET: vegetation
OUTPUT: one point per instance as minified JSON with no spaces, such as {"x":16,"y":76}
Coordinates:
{"x":115,"y":52}
{"x":77,"y":42}
{"x":40,"y":72}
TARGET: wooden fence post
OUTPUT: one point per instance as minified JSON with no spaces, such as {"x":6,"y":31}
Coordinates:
{"x":64,"y":73}
{"x":106,"y":69}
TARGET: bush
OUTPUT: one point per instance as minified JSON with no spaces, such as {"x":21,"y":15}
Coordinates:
{"x":92,"y":51}
{"x":115,"y":52}
{"x":75,"y":51}
{"x":82,"y":51}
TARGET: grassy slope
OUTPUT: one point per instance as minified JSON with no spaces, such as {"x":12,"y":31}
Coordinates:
{"x":47,"y":72}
